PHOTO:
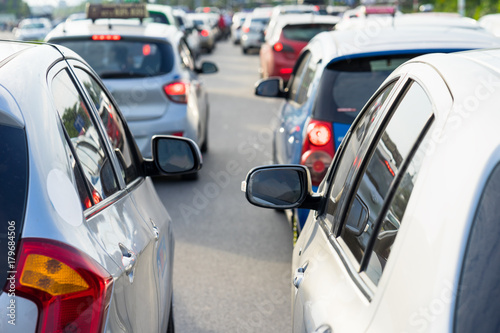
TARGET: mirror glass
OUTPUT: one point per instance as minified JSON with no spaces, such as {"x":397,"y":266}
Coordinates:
{"x":208,"y":67}
{"x":175,"y":155}
{"x":269,"y":88}
{"x":275,"y":187}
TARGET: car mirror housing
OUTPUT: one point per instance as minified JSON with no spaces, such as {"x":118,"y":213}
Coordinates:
{"x":271,"y":87}
{"x":280,"y":187}
{"x":173,"y":155}
{"x":207,"y":67}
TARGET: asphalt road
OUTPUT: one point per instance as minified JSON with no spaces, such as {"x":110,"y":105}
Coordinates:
{"x":232,"y":260}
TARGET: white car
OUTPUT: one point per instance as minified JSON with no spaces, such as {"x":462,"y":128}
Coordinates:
{"x":403,"y":231}
{"x":32,"y":29}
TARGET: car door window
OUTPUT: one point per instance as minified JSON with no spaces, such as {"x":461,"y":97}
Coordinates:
{"x":186,"y":57}
{"x":363,"y":218}
{"x":309,"y":71}
{"x":113,"y":124}
{"x":84,"y":136}
{"x":349,"y":157}
{"x":295,"y":83}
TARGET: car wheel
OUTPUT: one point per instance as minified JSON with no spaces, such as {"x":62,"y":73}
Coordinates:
{"x":204,"y":146}
{"x":245,"y":50}
{"x":171,"y":327}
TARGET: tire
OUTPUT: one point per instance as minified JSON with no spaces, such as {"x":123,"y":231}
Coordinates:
{"x":171,"y":326}
{"x":204,"y":146}
{"x":245,"y":50}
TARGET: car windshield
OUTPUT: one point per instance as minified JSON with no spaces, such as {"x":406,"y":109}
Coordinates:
{"x":348,"y":84}
{"x":33,"y":26}
{"x":259,"y":21}
{"x":304,"y":32}
{"x":124,"y":58}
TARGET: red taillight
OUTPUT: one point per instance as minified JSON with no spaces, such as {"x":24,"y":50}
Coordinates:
{"x":278,"y":47}
{"x":71,"y":290}
{"x":318,"y":149}
{"x":178,"y":134}
{"x":286,"y":70}
{"x":146,"y":49}
{"x":246,"y":29}
{"x":106,"y":37}
{"x":319,"y":134}
{"x":177,"y":91}
{"x":204,"y":33}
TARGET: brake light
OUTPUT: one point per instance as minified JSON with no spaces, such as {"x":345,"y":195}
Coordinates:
{"x":71,"y":290}
{"x":204,"y":33}
{"x":106,"y":37}
{"x":318,"y":149}
{"x":319,"y":134}
{"x":278,"y":47}
{"x":146,"y":49}
{"x":286,"y":70}
{"x":246,"y":29}
{"x":177,"y":91}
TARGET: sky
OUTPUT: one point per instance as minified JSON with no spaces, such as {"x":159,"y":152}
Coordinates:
{"x":54,"y":3}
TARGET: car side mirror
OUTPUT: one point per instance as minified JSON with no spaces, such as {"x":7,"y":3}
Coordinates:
{"x":280,"y":187}
{"x":207,"y":67}
{"x":271,"y":87}
{"x":173,"y":155}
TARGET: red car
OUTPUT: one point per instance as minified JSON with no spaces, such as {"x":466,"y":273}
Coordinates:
{"x":287,"y":37}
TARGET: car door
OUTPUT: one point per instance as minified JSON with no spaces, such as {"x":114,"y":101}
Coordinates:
{"x":294,"y":111}
{"x":342,"y":252}
{"x":111,"y":215}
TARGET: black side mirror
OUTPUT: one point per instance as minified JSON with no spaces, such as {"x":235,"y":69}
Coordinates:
{"x":280,"y":187}
{"x":272,"y":87}
{"x":207,"y":67}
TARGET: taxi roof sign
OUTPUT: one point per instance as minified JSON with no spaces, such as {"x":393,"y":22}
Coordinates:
{"x":112,"y":10}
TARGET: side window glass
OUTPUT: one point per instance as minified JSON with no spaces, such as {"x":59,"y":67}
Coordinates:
{"x":307,"y":78}
{"x":185,"y":54}
{"x":382,"y":171}
{"x":84,"y":137}
{"x":350,"y":158}
{"x":113,"y":124}
{"x":297,"y":77}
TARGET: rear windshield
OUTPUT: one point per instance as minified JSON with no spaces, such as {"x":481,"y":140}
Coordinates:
{"x":124,"y":58}
{"x":13,"y":190}
{"x":347,"y":85}
{"x":304,"y":32}
{"x":259,"y":21}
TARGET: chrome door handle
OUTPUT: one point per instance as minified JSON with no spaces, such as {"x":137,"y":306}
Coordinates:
{"x":128,"y":259}
{"x":299,"y":275}
{"x":155,"y":230}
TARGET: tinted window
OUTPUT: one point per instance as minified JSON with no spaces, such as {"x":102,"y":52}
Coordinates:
{"x":351,"y":155}
{"x":346,"y":86}
{"x":84,"y":137}
{"x":159,"y":17}
{"x":304,"y":32}
{"x":478,"y":294}
{"x":382,"y":171}
{"x":13,"y":193}
{"x":295,"y":82}
{"x":306,"y":81}
{"x":123,"y":58}
{"x":113,"y":125}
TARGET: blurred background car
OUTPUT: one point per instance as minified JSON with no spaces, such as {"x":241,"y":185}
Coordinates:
{"x":398,"y":231}
{"x":238,"y":20}
{"x":151,"y":73}
{"x":206,"y":30}
{"x":289,"y":35}
{"x":491,"y":23}
{"x":101,"y":239}
{"x":334,"y":77}
{"x":162,"y":14}
{"x":253,"y":29}
{"x":33,"y":29}
{"x":191,"y":34}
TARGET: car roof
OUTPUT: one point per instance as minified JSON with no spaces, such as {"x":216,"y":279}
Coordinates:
{"x":159,"y":8}
{"x":123,"y":27}
{"x":294,"y":19}
{"x":401,"y":39}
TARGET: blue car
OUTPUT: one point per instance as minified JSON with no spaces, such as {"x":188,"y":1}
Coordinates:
{"x":336,"y":74}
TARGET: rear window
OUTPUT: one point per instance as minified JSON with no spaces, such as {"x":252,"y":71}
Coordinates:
{"x":13,"y":191}
{"x":348,"y":84}
{"x":124,"y":58}
{"x":305,"y":32}
{"x":159,"y":17}
{"x":259,"y":21}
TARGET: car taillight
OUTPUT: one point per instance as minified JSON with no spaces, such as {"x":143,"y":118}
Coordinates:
{"x":286,"y":70}
{"x":318,"y":149}
{"x":246,"y":29}
{"x":71,"y":290}
{"x":177,"y":91}
{"x":280,"y":47}
{"x":106,"y":37}
{"x":204,"y":33}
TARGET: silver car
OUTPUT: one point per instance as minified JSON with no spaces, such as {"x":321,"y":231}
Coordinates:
{"x":403,"y":231}
{"x":86,"y":244}
{"x":151,"y":73}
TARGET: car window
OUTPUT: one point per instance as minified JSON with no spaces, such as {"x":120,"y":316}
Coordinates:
{"x":382,"y":171}
{"x":113,"y":125}
{"x":186,"y":57}
{"x":84,"y":136}
{"x":122,"y":58}
{"x":295,"y":82}
{"x":478,"y":292}
{"x":350,"y":154}
{"x":304,"y":32}
{"x":305,"y":84}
